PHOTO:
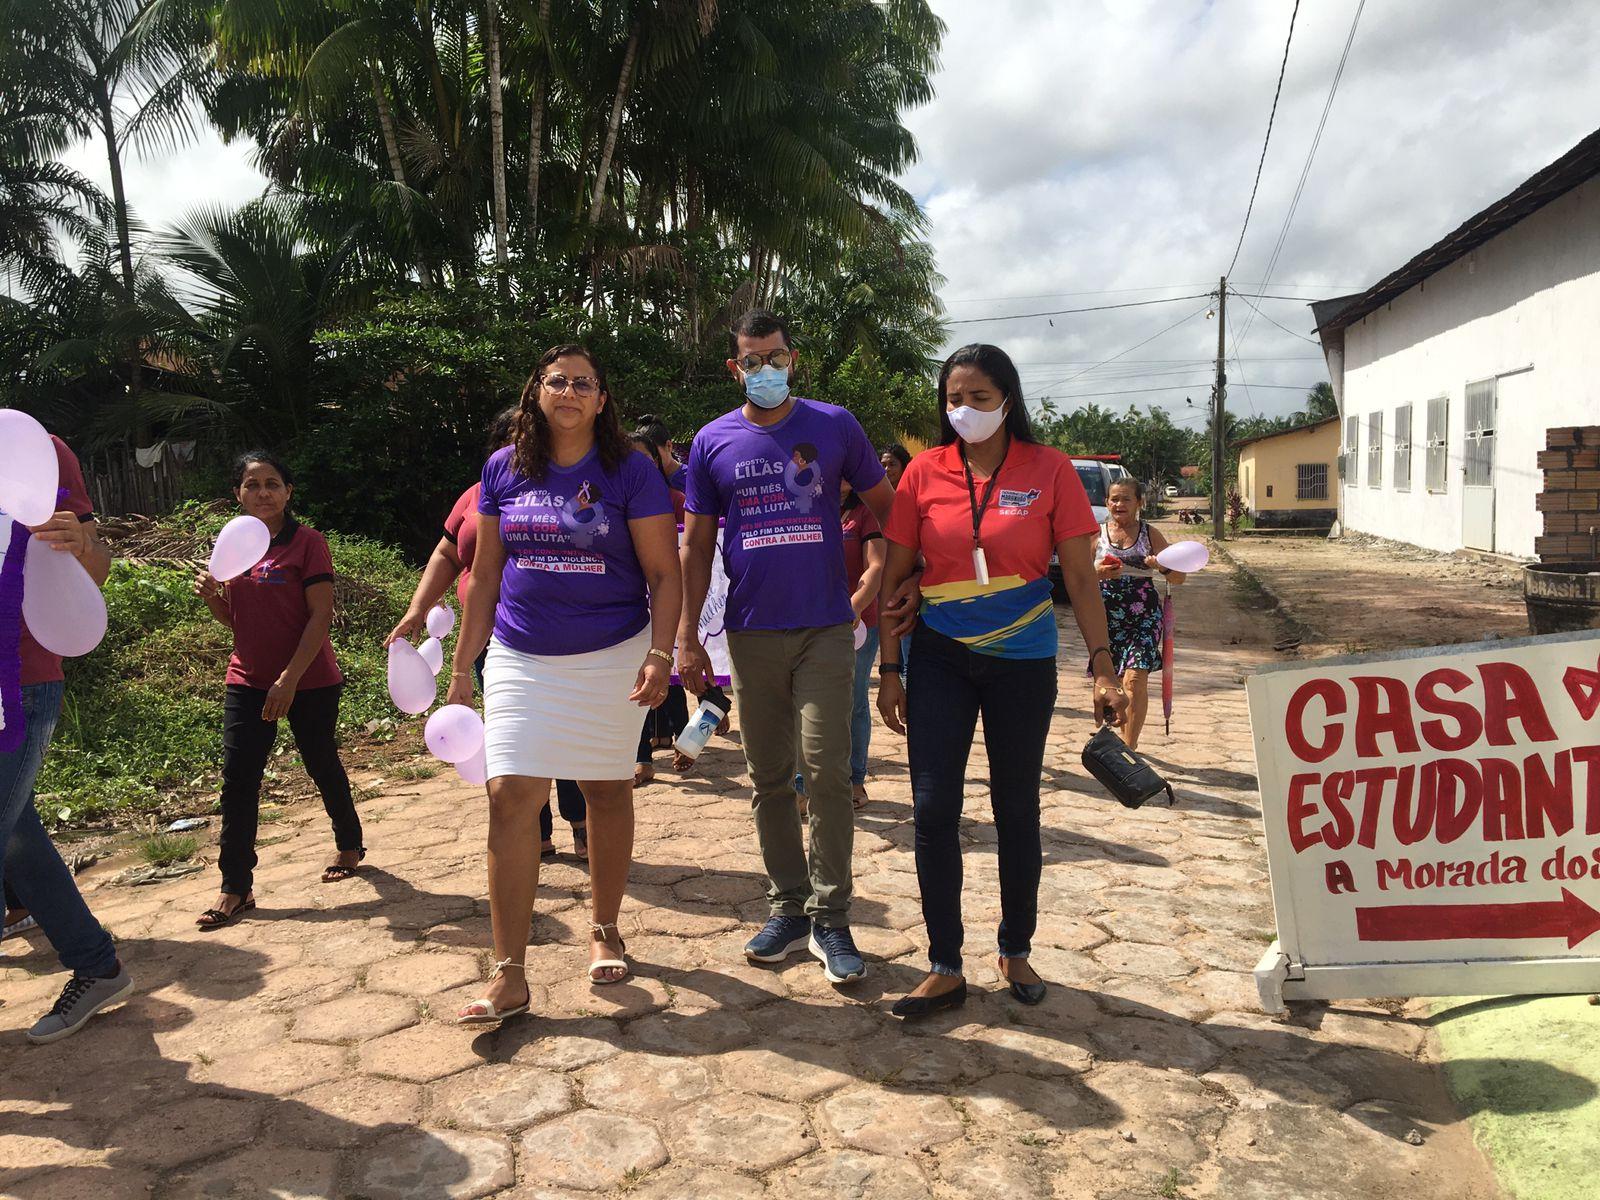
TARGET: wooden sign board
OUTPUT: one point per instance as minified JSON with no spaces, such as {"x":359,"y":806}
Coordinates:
{"x":1432,"y":821}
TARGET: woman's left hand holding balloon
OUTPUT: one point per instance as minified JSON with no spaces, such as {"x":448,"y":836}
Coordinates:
{"x":64,"y":533}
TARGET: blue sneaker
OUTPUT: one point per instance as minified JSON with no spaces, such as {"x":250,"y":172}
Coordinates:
{"x":779,"y":938}
{"x":841,"y":961}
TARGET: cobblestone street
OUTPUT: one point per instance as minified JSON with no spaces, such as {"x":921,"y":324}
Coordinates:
{"x":310,"y":1050}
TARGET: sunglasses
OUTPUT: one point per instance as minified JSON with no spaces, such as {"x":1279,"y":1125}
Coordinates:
{"x":584,"y":385}
{"x":772,"y":358}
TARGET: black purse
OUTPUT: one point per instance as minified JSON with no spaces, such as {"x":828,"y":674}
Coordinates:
{"x":1123,"y":772}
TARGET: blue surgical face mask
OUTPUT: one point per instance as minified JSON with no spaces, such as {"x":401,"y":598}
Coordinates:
{"x":767,"y":387}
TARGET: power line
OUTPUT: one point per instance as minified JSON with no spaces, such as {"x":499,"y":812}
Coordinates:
{"x":1063,"y":312}
{"x":1135,"y":346}
{"x":1311,"y":154}
{"x":1271,"y":117}
{"x":1163,"y":287}
{"x":1264,"y":317}
{"x":1171,"y":387}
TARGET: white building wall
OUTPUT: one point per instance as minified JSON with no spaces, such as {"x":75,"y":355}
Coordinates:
{"x":1529,"y":298}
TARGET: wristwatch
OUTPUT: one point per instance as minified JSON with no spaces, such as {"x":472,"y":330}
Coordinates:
{"x":891,"y":668}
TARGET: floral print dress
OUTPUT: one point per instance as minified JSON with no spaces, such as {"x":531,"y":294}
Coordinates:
{"x":1133,"y":606}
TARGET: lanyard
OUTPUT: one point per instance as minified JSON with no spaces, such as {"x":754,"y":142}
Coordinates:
{"x":980,"y":564}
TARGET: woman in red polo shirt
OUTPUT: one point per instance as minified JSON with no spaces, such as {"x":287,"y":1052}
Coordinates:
{"x":985,"y":509}
{"x":280,"y":612}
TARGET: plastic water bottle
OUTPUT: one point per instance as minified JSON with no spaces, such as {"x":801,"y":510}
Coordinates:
{"x":713,"y":708}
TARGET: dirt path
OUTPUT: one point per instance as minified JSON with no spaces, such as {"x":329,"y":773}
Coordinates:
{"x":309,"y":1050}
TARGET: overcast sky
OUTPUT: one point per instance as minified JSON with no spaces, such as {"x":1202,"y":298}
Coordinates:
{"x":1085,"y":152}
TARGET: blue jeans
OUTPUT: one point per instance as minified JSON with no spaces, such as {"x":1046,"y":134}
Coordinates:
{"x":861,"y":713}
{"x":30,"y":864}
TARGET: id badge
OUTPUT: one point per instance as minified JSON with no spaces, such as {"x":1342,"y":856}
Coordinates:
{"x":980,"y":566}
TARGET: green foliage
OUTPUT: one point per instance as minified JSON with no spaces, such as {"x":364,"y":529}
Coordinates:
{"x":142,"y":724}
{"x":165,"y":849}
{"x":1151,"y":446}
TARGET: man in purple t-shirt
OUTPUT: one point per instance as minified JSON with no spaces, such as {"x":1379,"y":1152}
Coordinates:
{"x":770,"y":471}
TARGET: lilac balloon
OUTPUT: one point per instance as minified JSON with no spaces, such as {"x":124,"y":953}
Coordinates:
{"x":63,"y":608}
{"x":441,"y":620}
{"x":29,"y":473}
{"x":432,"y":654}
{"x":1184,"y":556}
{"x":474,"y":770}
{"x":243,"y":543}
{"x":411,"y":684}
{"x":454,"y":733}
{"x":860,"y":634}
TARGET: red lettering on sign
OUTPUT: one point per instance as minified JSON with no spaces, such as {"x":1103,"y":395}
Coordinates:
{"x":1546,"y":797}
{"x":1509,"y":694}
{"x":1294,"y":720}
{"x":1341,"y":826}
{"x":1299,"y":810}
{"x":1383,"y":706}
{"x":1373,"y":779}
{"x":1502,"y":800}
{"x":1469,"y":725}
{"x":1458,"y":795}
{"x":1411,"y":826}
{"x":1339,"y":877}
{"x":1589,"y":756}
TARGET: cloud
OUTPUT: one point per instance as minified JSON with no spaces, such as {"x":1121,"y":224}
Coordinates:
{"x":1092,"y":146}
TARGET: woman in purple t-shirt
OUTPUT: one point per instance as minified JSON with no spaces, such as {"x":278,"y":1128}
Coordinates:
{"x":576,"y":575}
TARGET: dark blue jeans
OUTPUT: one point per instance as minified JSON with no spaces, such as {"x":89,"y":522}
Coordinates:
{"x":31,"y":867}
{"x":950,"y":687}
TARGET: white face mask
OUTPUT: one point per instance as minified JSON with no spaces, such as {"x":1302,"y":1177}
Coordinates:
{"x":974,"y":424}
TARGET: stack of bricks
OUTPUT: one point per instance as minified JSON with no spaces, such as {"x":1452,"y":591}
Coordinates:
{"x":1570,"y":501}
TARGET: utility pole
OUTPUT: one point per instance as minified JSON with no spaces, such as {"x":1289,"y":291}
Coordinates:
{"x":1219,"y":481}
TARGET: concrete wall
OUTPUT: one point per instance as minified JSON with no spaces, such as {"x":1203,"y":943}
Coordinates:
{"x":1523,"y":308}
{"x":1274,"y":463}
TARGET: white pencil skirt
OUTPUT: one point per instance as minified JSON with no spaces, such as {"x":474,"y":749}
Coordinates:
{"x":563,"y":716}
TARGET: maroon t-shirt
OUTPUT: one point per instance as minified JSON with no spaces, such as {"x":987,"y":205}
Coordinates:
{"x":859,"y":527}
{"x":270,"y":612}
{"x":38,"y":664}
{"x":461,"y":527}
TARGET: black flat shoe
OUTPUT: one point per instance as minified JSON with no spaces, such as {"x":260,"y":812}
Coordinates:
{"x":926,"y":1006}
{"x":1028,"y":993}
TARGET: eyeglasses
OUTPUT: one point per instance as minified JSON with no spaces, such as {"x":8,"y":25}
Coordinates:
{"x":584,"y":385}
{"x":772,"y":358}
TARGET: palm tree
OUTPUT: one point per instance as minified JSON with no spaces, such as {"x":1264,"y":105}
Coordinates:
{"x":128,"y":72}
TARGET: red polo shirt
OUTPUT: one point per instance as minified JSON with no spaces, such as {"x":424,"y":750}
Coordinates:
{"x":38,"y":664}
{"x":270,"y":612}
{"x":461,"y":527}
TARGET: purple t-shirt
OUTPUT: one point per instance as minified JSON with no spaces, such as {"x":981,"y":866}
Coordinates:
{"x":777,"y":488}
{"x":572,"y":583}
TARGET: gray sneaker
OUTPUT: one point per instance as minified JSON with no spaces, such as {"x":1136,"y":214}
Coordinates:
{"x":80,"y":1000}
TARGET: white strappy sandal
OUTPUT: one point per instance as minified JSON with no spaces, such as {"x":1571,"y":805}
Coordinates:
{"x":490,"y":1015}
{"x":608,"y":964}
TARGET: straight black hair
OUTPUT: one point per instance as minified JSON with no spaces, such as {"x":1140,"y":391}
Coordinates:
{"x":899,"y":453}
{"x":1129,"y":481}
{"x":1002,"y":372}
{"x":497,"y":433}
{"x":243,"y":462}
{"x":758,"y":323}
{"x":652,"y":431}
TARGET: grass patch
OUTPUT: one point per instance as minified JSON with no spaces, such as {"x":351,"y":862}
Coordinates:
{"x":141,"y":726}
{"x":166,"y":849}
{"x":1169,"y":1185}
{"x":412,"y":772}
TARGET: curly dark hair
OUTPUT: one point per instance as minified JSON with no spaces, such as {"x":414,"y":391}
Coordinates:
{"x":531,"y":430}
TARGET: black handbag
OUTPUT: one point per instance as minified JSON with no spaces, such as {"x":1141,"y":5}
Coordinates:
{"x":1123,"y":772}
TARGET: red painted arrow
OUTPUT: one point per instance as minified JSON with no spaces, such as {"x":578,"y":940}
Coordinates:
{"x":1568,"y":917}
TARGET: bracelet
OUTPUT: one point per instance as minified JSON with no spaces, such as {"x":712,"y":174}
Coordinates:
{"x":661,"y":654}
{"x":889,"y":668}
{"x":1100,"y":650}
{"x":460,"y":674}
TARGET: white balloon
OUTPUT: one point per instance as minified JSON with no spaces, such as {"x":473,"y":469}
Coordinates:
{"x":29,"y":472}
{"x":63,"y":608}
{"x":411,"y":684}
{"x":1187,"y":557}
{"x":474,"y":770}
{"x":441,"y":620}
{"x":243,"y":543}
{"x":454,"y":733}
{"x":860,"y":634}
{"x":432,"y":654}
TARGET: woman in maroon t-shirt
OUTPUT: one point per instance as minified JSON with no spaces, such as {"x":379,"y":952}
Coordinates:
{"x":280,"y":612}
